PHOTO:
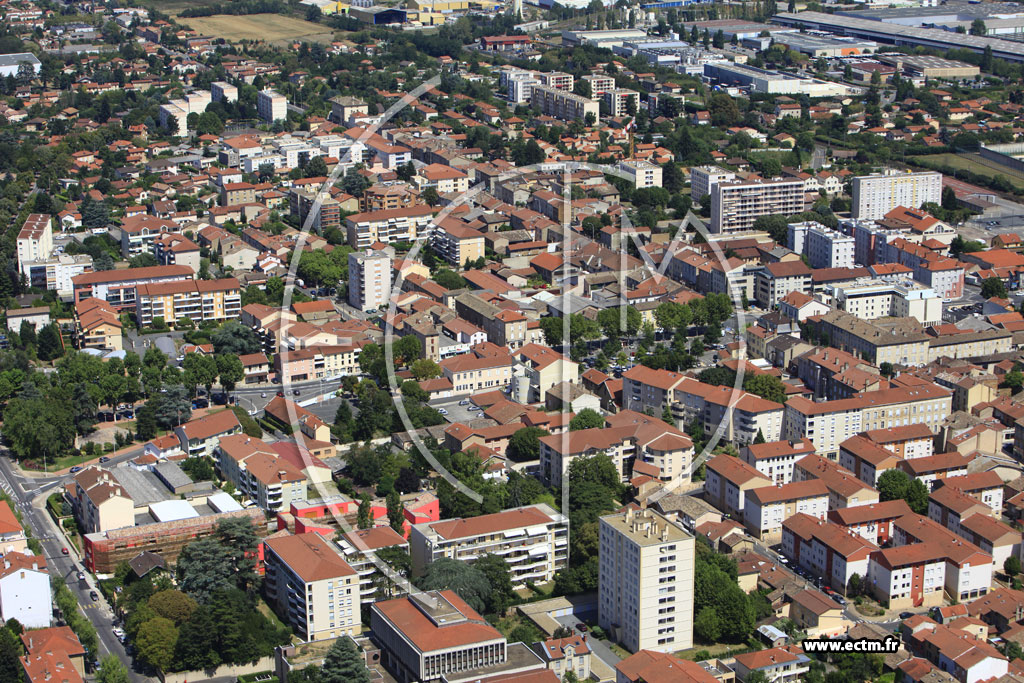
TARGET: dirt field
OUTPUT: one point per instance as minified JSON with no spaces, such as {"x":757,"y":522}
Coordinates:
{"x":272,"y":28}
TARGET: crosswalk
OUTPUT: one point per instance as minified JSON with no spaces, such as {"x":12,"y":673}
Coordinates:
{"x":6,"y":487}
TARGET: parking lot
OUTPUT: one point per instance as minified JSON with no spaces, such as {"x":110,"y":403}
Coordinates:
{"x":457,"y":409}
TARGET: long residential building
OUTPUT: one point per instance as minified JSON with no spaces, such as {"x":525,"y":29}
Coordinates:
{"x":119,"y":287}
{"x":737,"y":204}
{"x":562,"y":104}
{"x":311,"y":587}
{"x":877,"y":194}
{"x":388,"y":226}
{"x":534,"y":540}
{"x":646,"y":580}
{"x":197,"y":300}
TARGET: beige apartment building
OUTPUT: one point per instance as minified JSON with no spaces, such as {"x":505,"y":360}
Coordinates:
{"x":100,"y":503}
{"x":827,"y":424}
{"x":978,"y":344}
{"x":311,"y":588}
{"x":259,"y":473}
{"x":319,"y":361}
{"x":728,"y":481}
{"x":735,"y":205}
{"x":897,"y":341}
{"x":470,"y":373}
{"x":534,"y":540}
{"x":545,"y":368}
{"x":457,"y":244}
{"x":198,"y":300}
{"x":645,"y":587}
{"x":563,"y":104}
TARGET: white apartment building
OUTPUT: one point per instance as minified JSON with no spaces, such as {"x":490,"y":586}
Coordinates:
{"x":870,"y":298}
{"x":405,"y":224}
{"x":518,"y":84}
{"x":358,"y":548}
{"x":769,"y":506}
{"x":369,"y":279}
{"x":271,"y":106}
{"x":737,"y":204}
{"x":556,"y":79}
{"x":618,"y":101}
{"x":534,"y":540}
{"x":827,"y":424}
{"x":877,"y":194}
{"x":56,"y":273}
{"x":223,"y":92}
{"x":776,"y":459}
{"x":827,"y":248}
{"x":704,"y":178}
{"x":25,"y":589}
{"x":35,"y":239}
{"x":646,"y":576}
{"x":312,"y":589}
{"x":178,"y":110}
{"x":563,"y":104}
{"x":641,"y":173}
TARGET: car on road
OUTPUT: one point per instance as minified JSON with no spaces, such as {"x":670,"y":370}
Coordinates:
{"x":64,"y":551}
{"x":582,"y":628}
{"x":296,"y":392}
{"x":840,"y":599}
{"x":94,"y":595}
{"x":263,"y":394}
{"x":280,"y":394}
{"x":104,"y":459}
{"x":906,"y":615}
{"x":442,"y":411}
{"x":464,"y":402}
{"x":76,"y":468}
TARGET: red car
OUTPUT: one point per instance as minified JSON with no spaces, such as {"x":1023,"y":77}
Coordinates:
{"x":64,"y":551}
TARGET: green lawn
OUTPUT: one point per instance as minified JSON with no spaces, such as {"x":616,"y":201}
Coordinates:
{"x":966,"y":163}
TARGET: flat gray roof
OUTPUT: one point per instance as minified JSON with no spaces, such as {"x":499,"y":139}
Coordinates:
{"x":903,"y":35}
{"x":15,"y":58}
{"x":143,"y":487}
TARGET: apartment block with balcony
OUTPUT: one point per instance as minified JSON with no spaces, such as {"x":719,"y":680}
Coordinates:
{"x":259,"y":473}
{"x":456,"y":243}
{"x":197,"y":300}
{"x":97,"y":326}
{"x":562,"y":104}
{"x":646,"y":579}
{"x":326,"y":214}
{"x":389,"y":225}
{"x":735,"y":205}
{"x":311,"y":587}
{"x":358,"y":548}
{"x":621,"y":101}
{"x":534,"y":540}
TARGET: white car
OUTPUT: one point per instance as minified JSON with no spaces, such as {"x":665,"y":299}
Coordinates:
{"x":442,"y":411}
{"x":464,"y":402}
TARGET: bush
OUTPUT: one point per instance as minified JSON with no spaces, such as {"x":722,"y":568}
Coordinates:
{"x":108,"y":447}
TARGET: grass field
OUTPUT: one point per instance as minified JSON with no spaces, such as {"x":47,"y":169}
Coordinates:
{"x":967,"y":163}
{"x":273,"y":28}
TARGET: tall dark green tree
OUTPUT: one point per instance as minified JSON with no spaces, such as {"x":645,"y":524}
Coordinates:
{"x":344,"y":664}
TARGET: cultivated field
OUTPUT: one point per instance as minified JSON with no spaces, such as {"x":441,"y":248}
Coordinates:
{"x":273,"y":28}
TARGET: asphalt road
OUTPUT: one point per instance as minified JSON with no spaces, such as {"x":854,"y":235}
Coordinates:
{"x":30,"y":493}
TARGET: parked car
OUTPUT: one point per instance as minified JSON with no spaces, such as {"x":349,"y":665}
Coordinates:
{"x":64,"y":551}
{"x":263,"y":394}
{"x":94,"y":595}
{"x":280,"y":394}
{"x":906,"y":615}
{"x":76,"y":469}
{"x":296,"y":392}
{"x":104,"y":459}
{"x":442,"y":411}
{"x":464,"y":402}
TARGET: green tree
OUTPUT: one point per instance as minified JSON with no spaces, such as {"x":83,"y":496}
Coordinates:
{"x":768,"y":387}
{"x":234,"y":338}
{"x":10,"y":650}
{"x":707,"y":626}
{"x":993,"y":287}
{"x":425,"y":368}
{"x":524,"y":445}
{"x":363,"y":519}
{"x":111,"y":671}
{"x":586,"y":419}
{"x":775,"y":225}
{"x":466,"y":581}
{"x":230,"y":371}
{"x":396,"y":513}
{"x":205,"y":567}
{"x":1012,"y":566}
{"x":886,"y":369}
{"x":496,"y":569}
{"x":978,"y":28}
{"x":172,"y":604}
{"x":155,"y":643}
{"x":50,"y":345}
{"x":145,"y":423}
{"x":344,"y":663}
